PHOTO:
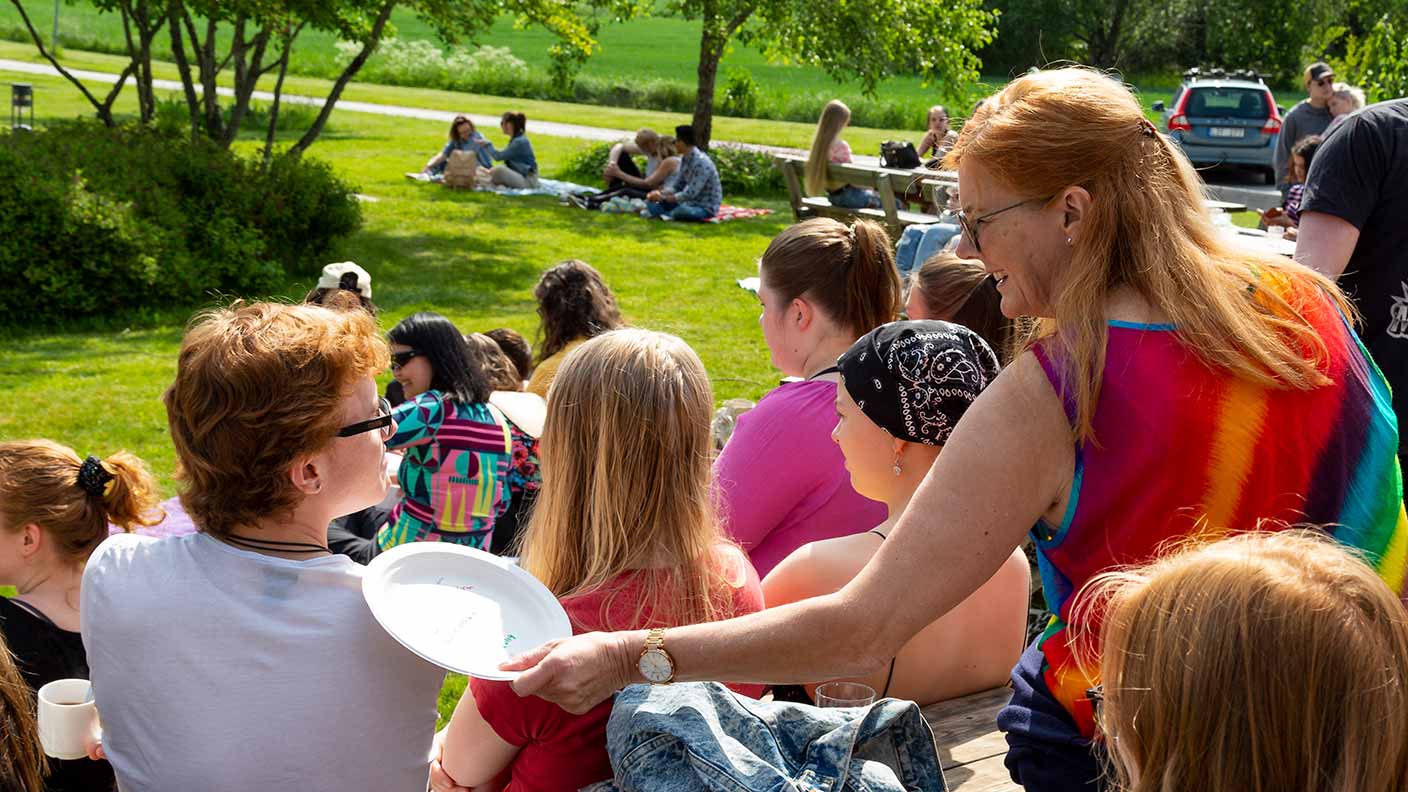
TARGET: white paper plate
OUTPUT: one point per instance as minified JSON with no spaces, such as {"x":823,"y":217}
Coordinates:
{"x":462,"y":609}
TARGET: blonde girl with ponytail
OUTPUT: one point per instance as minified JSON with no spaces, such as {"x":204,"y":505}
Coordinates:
{"x":828,"y":147}
{"x":54,"y":512}
{"x":780,"y":481}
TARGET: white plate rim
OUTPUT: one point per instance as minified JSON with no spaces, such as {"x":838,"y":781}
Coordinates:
{"x":373,"y":592}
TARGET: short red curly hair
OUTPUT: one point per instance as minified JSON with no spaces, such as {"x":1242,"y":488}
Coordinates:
{"x":257,"y":387}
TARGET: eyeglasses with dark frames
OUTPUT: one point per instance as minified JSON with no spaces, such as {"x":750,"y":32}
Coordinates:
{"x":399,"y":359}
{"x":382,"y":421}
{"x":970,"y":227}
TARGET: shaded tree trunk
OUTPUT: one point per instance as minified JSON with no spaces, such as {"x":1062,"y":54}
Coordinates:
{"x":138,"y":15}
{"x":374,"y":38}
{"x":174,"y":17}
{"x":278,"y":95}
{"x":712,"y":41}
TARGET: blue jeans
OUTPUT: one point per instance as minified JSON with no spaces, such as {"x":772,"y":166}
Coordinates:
{"x":919,"y":242}
{"x":701,"y":737}
{"x":853,"y":197}
{"x":689,"y":213}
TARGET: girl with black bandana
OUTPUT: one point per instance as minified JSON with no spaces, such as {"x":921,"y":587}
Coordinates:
{"x":904,"y":386}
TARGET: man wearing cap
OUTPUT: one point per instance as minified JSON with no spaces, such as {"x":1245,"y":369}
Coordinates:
{"x":1309,"y":117}
{"x":696,"y":192}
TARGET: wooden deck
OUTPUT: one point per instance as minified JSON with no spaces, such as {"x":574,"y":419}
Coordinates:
{"x":970,"y":746}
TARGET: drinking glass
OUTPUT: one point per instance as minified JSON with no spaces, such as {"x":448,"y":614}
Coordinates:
{"x":844,"y":694}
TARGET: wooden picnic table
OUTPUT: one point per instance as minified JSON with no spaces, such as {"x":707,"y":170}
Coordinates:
{"x":971,"y":749}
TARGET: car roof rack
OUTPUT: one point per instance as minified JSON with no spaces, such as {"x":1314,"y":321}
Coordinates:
{"x":1219,"y":73}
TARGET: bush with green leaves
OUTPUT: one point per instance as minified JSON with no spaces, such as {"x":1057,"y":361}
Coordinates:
{"x":104,"y":221}
{"x":742,"y":172}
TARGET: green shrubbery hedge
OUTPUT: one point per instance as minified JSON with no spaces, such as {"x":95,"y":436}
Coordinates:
{"x":98,"y":220}
{"x":741,"y":172}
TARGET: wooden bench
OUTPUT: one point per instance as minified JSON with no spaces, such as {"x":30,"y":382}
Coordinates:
{"x":971,"y":749}
{"x":885,"y":181}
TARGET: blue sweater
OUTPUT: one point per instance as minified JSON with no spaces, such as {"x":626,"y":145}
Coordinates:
{"x":517,"y":155}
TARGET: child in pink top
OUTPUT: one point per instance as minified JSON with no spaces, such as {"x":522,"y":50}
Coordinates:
{"x":782,"y":482}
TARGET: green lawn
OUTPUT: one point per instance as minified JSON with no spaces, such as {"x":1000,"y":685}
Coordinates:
{"x":472,"y":256}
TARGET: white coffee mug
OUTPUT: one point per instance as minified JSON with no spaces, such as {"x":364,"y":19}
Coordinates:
{"x":68,"y":718}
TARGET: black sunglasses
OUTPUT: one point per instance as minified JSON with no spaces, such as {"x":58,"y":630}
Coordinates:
{"x":970,"y":227}
{"x":382,"y":421}
{"x":399,"y":359}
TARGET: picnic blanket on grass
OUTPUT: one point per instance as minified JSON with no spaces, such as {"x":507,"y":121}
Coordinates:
{"x":545,"y":186}
{"x":727,"y":213}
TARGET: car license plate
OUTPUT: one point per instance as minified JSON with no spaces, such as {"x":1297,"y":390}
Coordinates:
{"x":1227,"y":132}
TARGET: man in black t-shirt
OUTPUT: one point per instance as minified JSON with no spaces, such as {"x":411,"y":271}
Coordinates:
{"x":1354,"y":227}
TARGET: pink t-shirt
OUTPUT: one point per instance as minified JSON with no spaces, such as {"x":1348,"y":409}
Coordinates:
{"x":782,"y":482}
{"x":559,"y":750}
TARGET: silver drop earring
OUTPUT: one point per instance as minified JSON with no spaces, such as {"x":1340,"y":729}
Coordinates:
{"x":896,"y":468}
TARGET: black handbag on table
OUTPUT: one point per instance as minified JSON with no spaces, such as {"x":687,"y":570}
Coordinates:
{"x":899,"y":154}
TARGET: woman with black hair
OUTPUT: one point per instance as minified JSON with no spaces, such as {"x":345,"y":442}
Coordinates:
{"x":456,"y":447}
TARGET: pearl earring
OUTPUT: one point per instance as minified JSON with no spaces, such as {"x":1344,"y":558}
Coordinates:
{"x":1068,"y":242}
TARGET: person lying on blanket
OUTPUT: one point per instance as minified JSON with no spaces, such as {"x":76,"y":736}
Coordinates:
{"x":696,"y":193}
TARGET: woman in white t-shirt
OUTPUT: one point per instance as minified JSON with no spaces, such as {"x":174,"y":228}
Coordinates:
{"x":243,"y":656}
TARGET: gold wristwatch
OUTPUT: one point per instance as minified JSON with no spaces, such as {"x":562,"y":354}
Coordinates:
{"x":655,"y":663}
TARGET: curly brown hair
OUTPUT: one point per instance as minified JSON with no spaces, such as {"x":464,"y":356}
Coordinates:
{"x":257,"y":387}
{"x":573,"y":302}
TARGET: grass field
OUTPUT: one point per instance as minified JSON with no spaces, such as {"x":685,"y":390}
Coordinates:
{"x":471,"y":256}
{"x":658,"y":48}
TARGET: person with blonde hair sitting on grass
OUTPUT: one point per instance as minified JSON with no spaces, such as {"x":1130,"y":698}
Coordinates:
{"x":623,"y":533}
{"x":1259,"y":662}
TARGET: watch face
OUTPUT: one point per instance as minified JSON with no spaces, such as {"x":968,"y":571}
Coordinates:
{"x":655,"y":666}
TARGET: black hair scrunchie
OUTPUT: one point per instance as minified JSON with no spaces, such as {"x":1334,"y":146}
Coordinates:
{"x":93,"y":477}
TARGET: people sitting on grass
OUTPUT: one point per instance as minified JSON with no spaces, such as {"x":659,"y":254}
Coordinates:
{"x":828,"y":147}
{"x":524,"y":413}
{"x":696,"y":193}
{"x":628,"y":424}
{"x":1089,"y":442}
{"x":938,"y":137}
{"x":456,"y":452}
{"x":904,"y":386}
{"x":520,"y":167}
{"x":1288,"y":216}
{"x":781,"y":481}
{"x":54,"y":512}
{"x":516,"y":347}
{"x":1345,"y":100}
{"x":625,"y":180}
{"x":574,"y":304}
{"x":951,"y":289}
{"x":463,"y":137}
{"x":227,"y":659}
{"x":1201,"y":649}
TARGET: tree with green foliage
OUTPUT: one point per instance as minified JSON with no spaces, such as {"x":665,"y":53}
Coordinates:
{"x":868,"y":41}
{"x":260,"y":35}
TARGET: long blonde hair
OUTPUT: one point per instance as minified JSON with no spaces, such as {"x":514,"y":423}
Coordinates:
{"x":1266,"y":661}
{"x":625,"y":458}
{"x":1147,"y":230}
{"x":22,"y":762}
{"x":834,"y":118}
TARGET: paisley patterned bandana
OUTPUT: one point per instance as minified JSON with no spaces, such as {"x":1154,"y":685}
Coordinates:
{"x":916,"y":379}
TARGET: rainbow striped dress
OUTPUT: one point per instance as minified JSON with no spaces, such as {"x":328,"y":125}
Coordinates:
{"x":1182,"y":449}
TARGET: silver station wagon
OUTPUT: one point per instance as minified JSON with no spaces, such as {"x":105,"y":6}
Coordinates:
{"x":1222,"y":119}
